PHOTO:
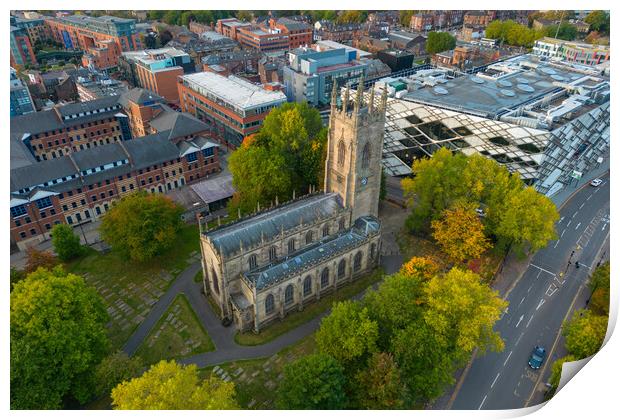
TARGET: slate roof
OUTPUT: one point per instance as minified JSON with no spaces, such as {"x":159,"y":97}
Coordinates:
{"x":180,"y":124}
{"x":151,"y":150}
{"x":139,"y":96}
{"x":325,"y":249}
{"x":88,"y":106}
{"x":20,"y":155}
{"x":268,"y":224}
{"x":41,"y":172}
{"x":293,"y":25}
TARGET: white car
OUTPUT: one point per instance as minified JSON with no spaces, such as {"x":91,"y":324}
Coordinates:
{"x":596,"y":182}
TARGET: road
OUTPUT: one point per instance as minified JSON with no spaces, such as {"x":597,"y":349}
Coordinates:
{"x":538,"y":304}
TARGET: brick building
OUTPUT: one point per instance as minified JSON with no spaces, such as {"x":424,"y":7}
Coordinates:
{"x":20,"y":48}
{"x":230,"y":27}
{"x":67,"y":129}
{"x":299,"y":33}
{"x":231,"y":106}
{"x":81,"y":187}
{"x":422,"y":22}
{"x":103,"y":55}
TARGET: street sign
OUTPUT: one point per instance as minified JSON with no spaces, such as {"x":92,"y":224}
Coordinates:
{"x":576,"y":174}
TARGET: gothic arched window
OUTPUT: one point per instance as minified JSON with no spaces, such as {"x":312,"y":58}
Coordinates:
{"x":341,"y":223}
{"x":341,"y":151}
{"x":366,"y":156}
{"x":357,"y":261}
{"x":252,"y":261}
{"x":273,"y":253}
{"x":309,"y":237}
{"x":325,"y":278}
{"x":216,"y":286}
{"x":342,"y":268}
{"x":325,"y":229}
{"x":288,"y":295}
{"x":307,"y":285}
{"x":291,"y":246}
{"x":269,"y":306}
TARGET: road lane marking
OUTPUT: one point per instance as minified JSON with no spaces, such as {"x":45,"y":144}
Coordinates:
{"x":528,"y":322}
{"x":568,"y":224}
{"x":581,"y":206}
{"x":578,"y":224}
{"x":495,"y":380}
{"x":518,"y":339}
{"x":482,"y":403}
{"x":518,"y":322}
{"x":509,"y":354}
{"x":604,"y":226}
{"x":541,"y":303}
{"x":522,"y":299}
{"x":551,"y":290}
{"x":556,"y":244}
{"x":589,"y":197}
{"x":563,"y":233}
{"x":560,"y":221}
{"x":542,"y":269}
{"x":530,"y":288}
{"x":575,"y":214}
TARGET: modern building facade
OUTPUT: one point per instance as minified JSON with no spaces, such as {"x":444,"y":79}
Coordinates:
{"x":299,"y":33}
{"x":20,"y":98}
{"x":232,"y":107}
{"x":21,"y":51}
{"x":277,"y":261}
{"x":81,"y":187}
{"x":310,"y":74}
{"x":571,"y":51}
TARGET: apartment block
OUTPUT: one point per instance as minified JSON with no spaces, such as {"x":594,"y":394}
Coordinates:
{"x":21,"y":50}
{"x":571,"y":51}
{"x":299,"y":33}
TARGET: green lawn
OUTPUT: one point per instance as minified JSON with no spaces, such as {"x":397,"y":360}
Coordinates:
{"x":169,"y":338}
{"x":129,"y":288}
{"x":310,"y":311}
{"x":256,"y":385}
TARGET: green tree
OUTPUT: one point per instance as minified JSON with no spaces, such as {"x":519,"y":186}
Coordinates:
{"x":141,"y":225}
{"x":512,"y":33}
{"x":314,"y":382}
{"x":405,"y":17}
{"x":556,"y":370}
{"x":566,"y":31}
{"x":352,"y":16}
{"x":462,"y":311}
{"x":172,"y":17}
{"x":57,"y":338}
{"x":439,"y":41}
{"x":66,"y":243}
{"x":16,"y":276}
{"x":347,"y":334}
{"x":114,"y":369}
{"x":584,"y":333}
{"x":170,"y":386}
{"x":244,"y":15}
{"x":285,"y":155}
{"x":379,"y":386}
{"x":599,"y":21}
{"x":186,"y":17}
{"x":599,"y":287}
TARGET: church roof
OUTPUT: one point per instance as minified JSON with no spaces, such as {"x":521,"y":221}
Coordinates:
{"x":310,"y":256}
{"x":267,"y":225}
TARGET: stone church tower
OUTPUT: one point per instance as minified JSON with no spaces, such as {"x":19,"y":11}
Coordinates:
{"x":354,"y":150}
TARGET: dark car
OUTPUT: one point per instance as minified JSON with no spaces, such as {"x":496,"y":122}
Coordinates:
{"x":537,"y":357}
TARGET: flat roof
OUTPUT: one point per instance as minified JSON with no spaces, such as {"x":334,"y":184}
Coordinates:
{"x":335,"y":45}
{"x":234,"y":90}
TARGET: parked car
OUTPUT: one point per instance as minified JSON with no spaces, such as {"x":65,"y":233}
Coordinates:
{"x":596,"y":182}
{"x":537,"y":357}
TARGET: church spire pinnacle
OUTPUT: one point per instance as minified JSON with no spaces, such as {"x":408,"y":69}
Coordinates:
{"x":334,"y":102}
{"x":345,"y":101}
{"x":371,"y":102}
{"x":359,"y":97}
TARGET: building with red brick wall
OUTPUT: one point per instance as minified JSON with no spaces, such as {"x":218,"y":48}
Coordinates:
{"x":263,"y":39}
{"x":477,"y":18}
{"x":102,"y":56}
{"x":20,"y":48}
{"x":299,"y":33}
{"x":70,"y":128}
{"x":230,"y":27}
{"x":232,"y":107}
{"x":422,"y":22}
{"x":81,"y":187}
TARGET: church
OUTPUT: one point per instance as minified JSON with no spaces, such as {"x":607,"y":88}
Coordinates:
{"x":264,"y":266}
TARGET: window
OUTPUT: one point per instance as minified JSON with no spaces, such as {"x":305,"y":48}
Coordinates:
{"x":325,"y":278}
{"x":291,"y":246}
{"x":191,"y":157}
{"x":22,"y":234}
{"x":216,"y":286}
{"x":288,"y":295}
{"x":273,"y":253}
{"x":307,"y":285}
{"x":70,"y":220}
{"x":357,"y":261}
{"x":33,"y":232}
{"x":342,"y":268}
{"x":97,"y":210}
{"x":252,"y":261}
{"x":325,"y":230}
{"x":269,"y":306}
{"x":44,"y":202}
{"x":17,"y":211}
{"x":341,"y":223}
{"x":366,"y":156}
{"x":309,"y":237}
{"x":341,"y":151}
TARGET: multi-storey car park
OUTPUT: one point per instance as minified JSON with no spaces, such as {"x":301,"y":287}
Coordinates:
{"x":548,"y":121}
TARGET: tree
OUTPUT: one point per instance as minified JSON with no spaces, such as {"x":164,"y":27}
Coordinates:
{"x":599,"y":21}
{"x":352,"y":16}
{"x":170,"y":386}
{"x":58,"y":336}
{"x":584,"y":333}
{"x":527,"y":220}
{"x":66,"y":243}
{"x":599,"y":287}
{"x":314,"y":382}
{"x":460,"y":233}
{"x":405,"y":17}
{"x":462,"y":311}
{"x":141,"y":225}
{"x":186,"y":17}
{"x":347,"y":333}
{"x":512,"y":33}
{"x":244,"y":15}
{"x":556,"y":370}
{"x":287,"y":154}
{"x":36,"y":259}
{"x":16,"y":276}
{"x":439,"y":41}
{"x":114,"y":369}
{"x":379,"y":386}
{"x":423,"y":268}
{"x":172,"y":17}
{"x":566,"y":31}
